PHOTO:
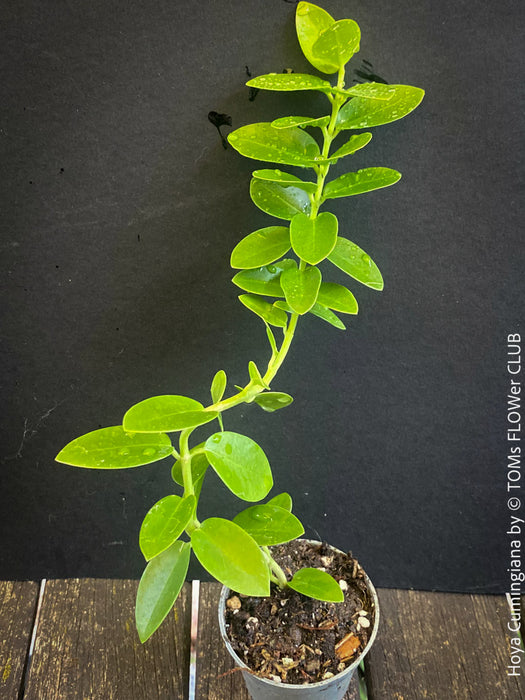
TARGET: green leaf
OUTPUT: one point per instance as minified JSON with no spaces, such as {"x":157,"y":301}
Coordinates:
{"x":362,"y":113}
{"x":327,"y":315}
{"x":301,"y":287}
{"x":113,"y":448}
{"x":269,"y":524}
{"x":372,"y":91}
{"x":284,"y":306}
{"x":199,"y":465}
{"x":263,"y":280}
{"x":283,"y":500}
{"x":273,"y":400}
{"x":317,"y":584}
{"x":166,"y":414}
{"x":218,"y":386}
{"x":289,"y":122}
{"x":231,"y":556}
{"x":271,"y":339}
{"x":241,"y":464}
{"x":349,"y":258}
{"x":261,"y":141}
{"x":276,"y":200}
{"x":337,"y":44}
{"x":289,"y":81}
{"x":337,"y":297}
{"x":310,"y":21}
{"x":270,"y":314}
{"x":355,"y":143}
{"x":313,"y":239}
{"x":364,"y":180}
{"x":285,"y":180}
{"x":256,"y":376}
{"x":159,"y":587}
{"x":261,"y":247}
{"x":164,"y":523}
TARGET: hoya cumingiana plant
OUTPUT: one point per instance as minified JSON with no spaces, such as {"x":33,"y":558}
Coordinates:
{"x":279,"y":275}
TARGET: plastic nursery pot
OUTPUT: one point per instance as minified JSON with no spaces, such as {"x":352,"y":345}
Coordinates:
{"x":331,"y":689}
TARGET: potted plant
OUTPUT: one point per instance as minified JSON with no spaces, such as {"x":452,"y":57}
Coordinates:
{"x":279,"y":275}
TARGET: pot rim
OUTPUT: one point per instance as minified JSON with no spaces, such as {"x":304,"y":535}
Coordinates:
{"x":319,"y":684}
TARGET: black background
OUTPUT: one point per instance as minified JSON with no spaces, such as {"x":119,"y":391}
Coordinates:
{"x":120,"y":209}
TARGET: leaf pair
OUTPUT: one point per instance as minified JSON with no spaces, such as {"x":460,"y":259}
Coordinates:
{"x":311,"y":239}
{"x":328,"y":45}
{"x":225,"y":550}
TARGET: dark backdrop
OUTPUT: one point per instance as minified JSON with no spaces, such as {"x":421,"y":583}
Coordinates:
{"x":120,"y":209}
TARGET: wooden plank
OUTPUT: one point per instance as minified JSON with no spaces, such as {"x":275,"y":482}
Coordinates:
{"x":439,"y":645}
{"x":18,"y":600}
{"x":87,"y":647}
{"x":216,"y":677}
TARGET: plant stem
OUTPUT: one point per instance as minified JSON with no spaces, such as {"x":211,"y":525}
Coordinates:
{"x":187,"y":478}
{"x":279,"y":575}
{"x":329,"y":135}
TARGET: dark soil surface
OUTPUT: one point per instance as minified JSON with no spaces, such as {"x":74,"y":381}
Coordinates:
{"x":294,"y":639}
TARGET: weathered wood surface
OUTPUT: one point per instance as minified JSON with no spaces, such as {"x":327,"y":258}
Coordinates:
{"x":216,"y":677}
{"x":430,"y":646}
{"x":87,"y":647}
{"x":18,"y":600}
{"x":433,"y":646}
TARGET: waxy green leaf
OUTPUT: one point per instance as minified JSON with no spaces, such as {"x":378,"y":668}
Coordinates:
{"x":349,"y":258}
{"x":261,"y":141}
{"x":271,"y":340}
{"x":355,"y":143}
{"x":261,"y":247}
{"x":231,"y":556}
{"x":284,"y":306}
{"x":313,"y":239}
{"x":310,"y":22}
{"x":199,"y":465}
{"x":301,"y":287}
{"x":218,"y":386}
{"x":273,"y":400}
{"x":256,"y":376}
{"x":164,"y":523}
{"x":337,"y":44}
{"x":317,"y":584}
{"x":263,"y":280}
{"x":268,"y":312}
{"x":160,"y":586}
{"x":276,"y":200}
{"x":364,"y":180}
{"x":166,"y":414}
{"x":289,"y":122}
{"x":327,"y":315}
{"x":362,"y":113}
{"x":269,"y":524}
{"x":284,"y":179}
{"x":283,"y":500}
{"x":289,"y":82}
{"x":240,"y":463}
{"x":113,"y":448}
{"x":336,"y":297}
